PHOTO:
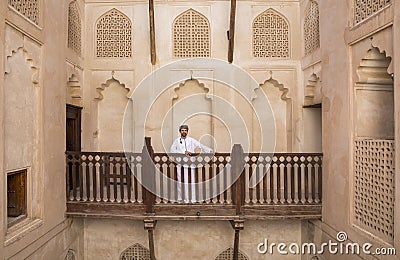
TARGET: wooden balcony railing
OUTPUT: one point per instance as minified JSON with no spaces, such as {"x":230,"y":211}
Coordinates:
{"x":222,"y":185}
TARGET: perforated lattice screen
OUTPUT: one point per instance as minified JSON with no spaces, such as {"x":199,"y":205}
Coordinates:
{"x":270,"y":35}
{"x":366,"y":8}
{"x":228,"y":254}
{"x":28,"y":8}
{"x":114,"y":36}
{"x":135,"y":252}
{"x":311,"y":28}
{"x":74,"y":28}
{"x":374,"y":186}
{"x":191,"y":35}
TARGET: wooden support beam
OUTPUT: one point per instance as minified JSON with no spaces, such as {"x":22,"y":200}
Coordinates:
{"x":148,"y":176}
{"x":238,"y":175}
{"x":232,"y":31}
{"x":237,"y":225}
{"x":152,"y":33}
{"x":149,"y":225}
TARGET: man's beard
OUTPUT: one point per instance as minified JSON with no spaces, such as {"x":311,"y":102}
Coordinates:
{"x":183,"y":135}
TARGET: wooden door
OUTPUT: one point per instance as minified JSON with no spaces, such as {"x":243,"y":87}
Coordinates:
{"x":73,"y":128}
{"x":73,"y":136}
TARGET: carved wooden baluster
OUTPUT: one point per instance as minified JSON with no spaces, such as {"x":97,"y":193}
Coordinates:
{"x":114,"y":175}
{"x":87,"y":170}
{"x":303,"y":182}
{"x":80,"y":173}
{"x":122,"y":178}
{"x":289,"y":177}
{"x":102,"y":170}
{"x":128,"y":177}
{"x":296,"y":182}
{"x":310,"y":182}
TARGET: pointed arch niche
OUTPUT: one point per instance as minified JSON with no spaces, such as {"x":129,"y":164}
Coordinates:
{"x":228,"y":254}
{"x":193,"y":94}
{"x":21,"y":111}
{"x":373,"y":158}
{"x":135,"y":252}
{"x":271,"y":35}
{"x":74,"y":91}
{"x":112,"y":101}
{"x":281,"y":106}
{"x":191,"y":35}
{"x":115,"y":43}
{"x":187,"y":102}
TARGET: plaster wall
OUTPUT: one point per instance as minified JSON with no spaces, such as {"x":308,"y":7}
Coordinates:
{"x":130,"y":71}
{"x":107,"y":239}
{"x":342,"y":49}
{"x":33,"y":107}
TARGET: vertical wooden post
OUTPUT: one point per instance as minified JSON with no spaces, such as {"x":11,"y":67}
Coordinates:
{"x":232,"y":31}
{"x":149,"y":225}
{"x":237,"y":172}
{"x":152,"y":33}
{"x":237,"y":225}
{"x":67,"y":176}
{"x":148,"y":176}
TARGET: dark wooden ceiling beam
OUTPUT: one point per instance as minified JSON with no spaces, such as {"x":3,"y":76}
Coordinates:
{"x":232,"y":31}
{"x":152,"y":33}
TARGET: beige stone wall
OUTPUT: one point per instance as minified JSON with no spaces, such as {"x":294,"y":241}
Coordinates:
{"x":107,"y":239}
{"x":348,"y":113}
{"x":33,"y":79}
{"x":3,"y":215}
{"x":396,"y":69}
{"x":131,"y":71}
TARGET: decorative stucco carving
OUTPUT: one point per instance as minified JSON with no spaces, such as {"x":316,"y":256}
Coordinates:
{"x":312,"y":90}
{"x":191,"y":35}
{"x":271,"y":35}
{"x":373,"y":68}
{"x":311,"y":28}
{"x":99,"y":89}
{"x":28,"y":8}
{"x":195,"y":88}
{"x":114,"y":35}
{"x":281,"y":87}
{"x":32,"y":65}
{"x":364,"y":9}
{"x":74,"y":28}
{"x":374,"y":187}
{"x":74,"y":88}
{"x":137,"y":251}
{"x":228,"y":254}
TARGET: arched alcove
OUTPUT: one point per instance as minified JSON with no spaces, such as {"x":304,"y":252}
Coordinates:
{"x":228,"y":255}
{"x":21,"y":111}
{"x":271,"y":35}
{"x":374,"y":97}
{"x":374,"y":170}
{"x":135,"y":252}
{"x":191,"y":35}
{"x":74,"y":91}
{"x":112,"y":101}
{"x":115,"y":43}
{"x":281,"y":106}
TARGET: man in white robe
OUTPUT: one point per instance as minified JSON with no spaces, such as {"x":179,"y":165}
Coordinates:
{"x":187,"y":145}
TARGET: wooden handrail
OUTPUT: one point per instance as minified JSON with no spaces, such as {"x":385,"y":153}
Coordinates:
{"x":149,"y":179}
